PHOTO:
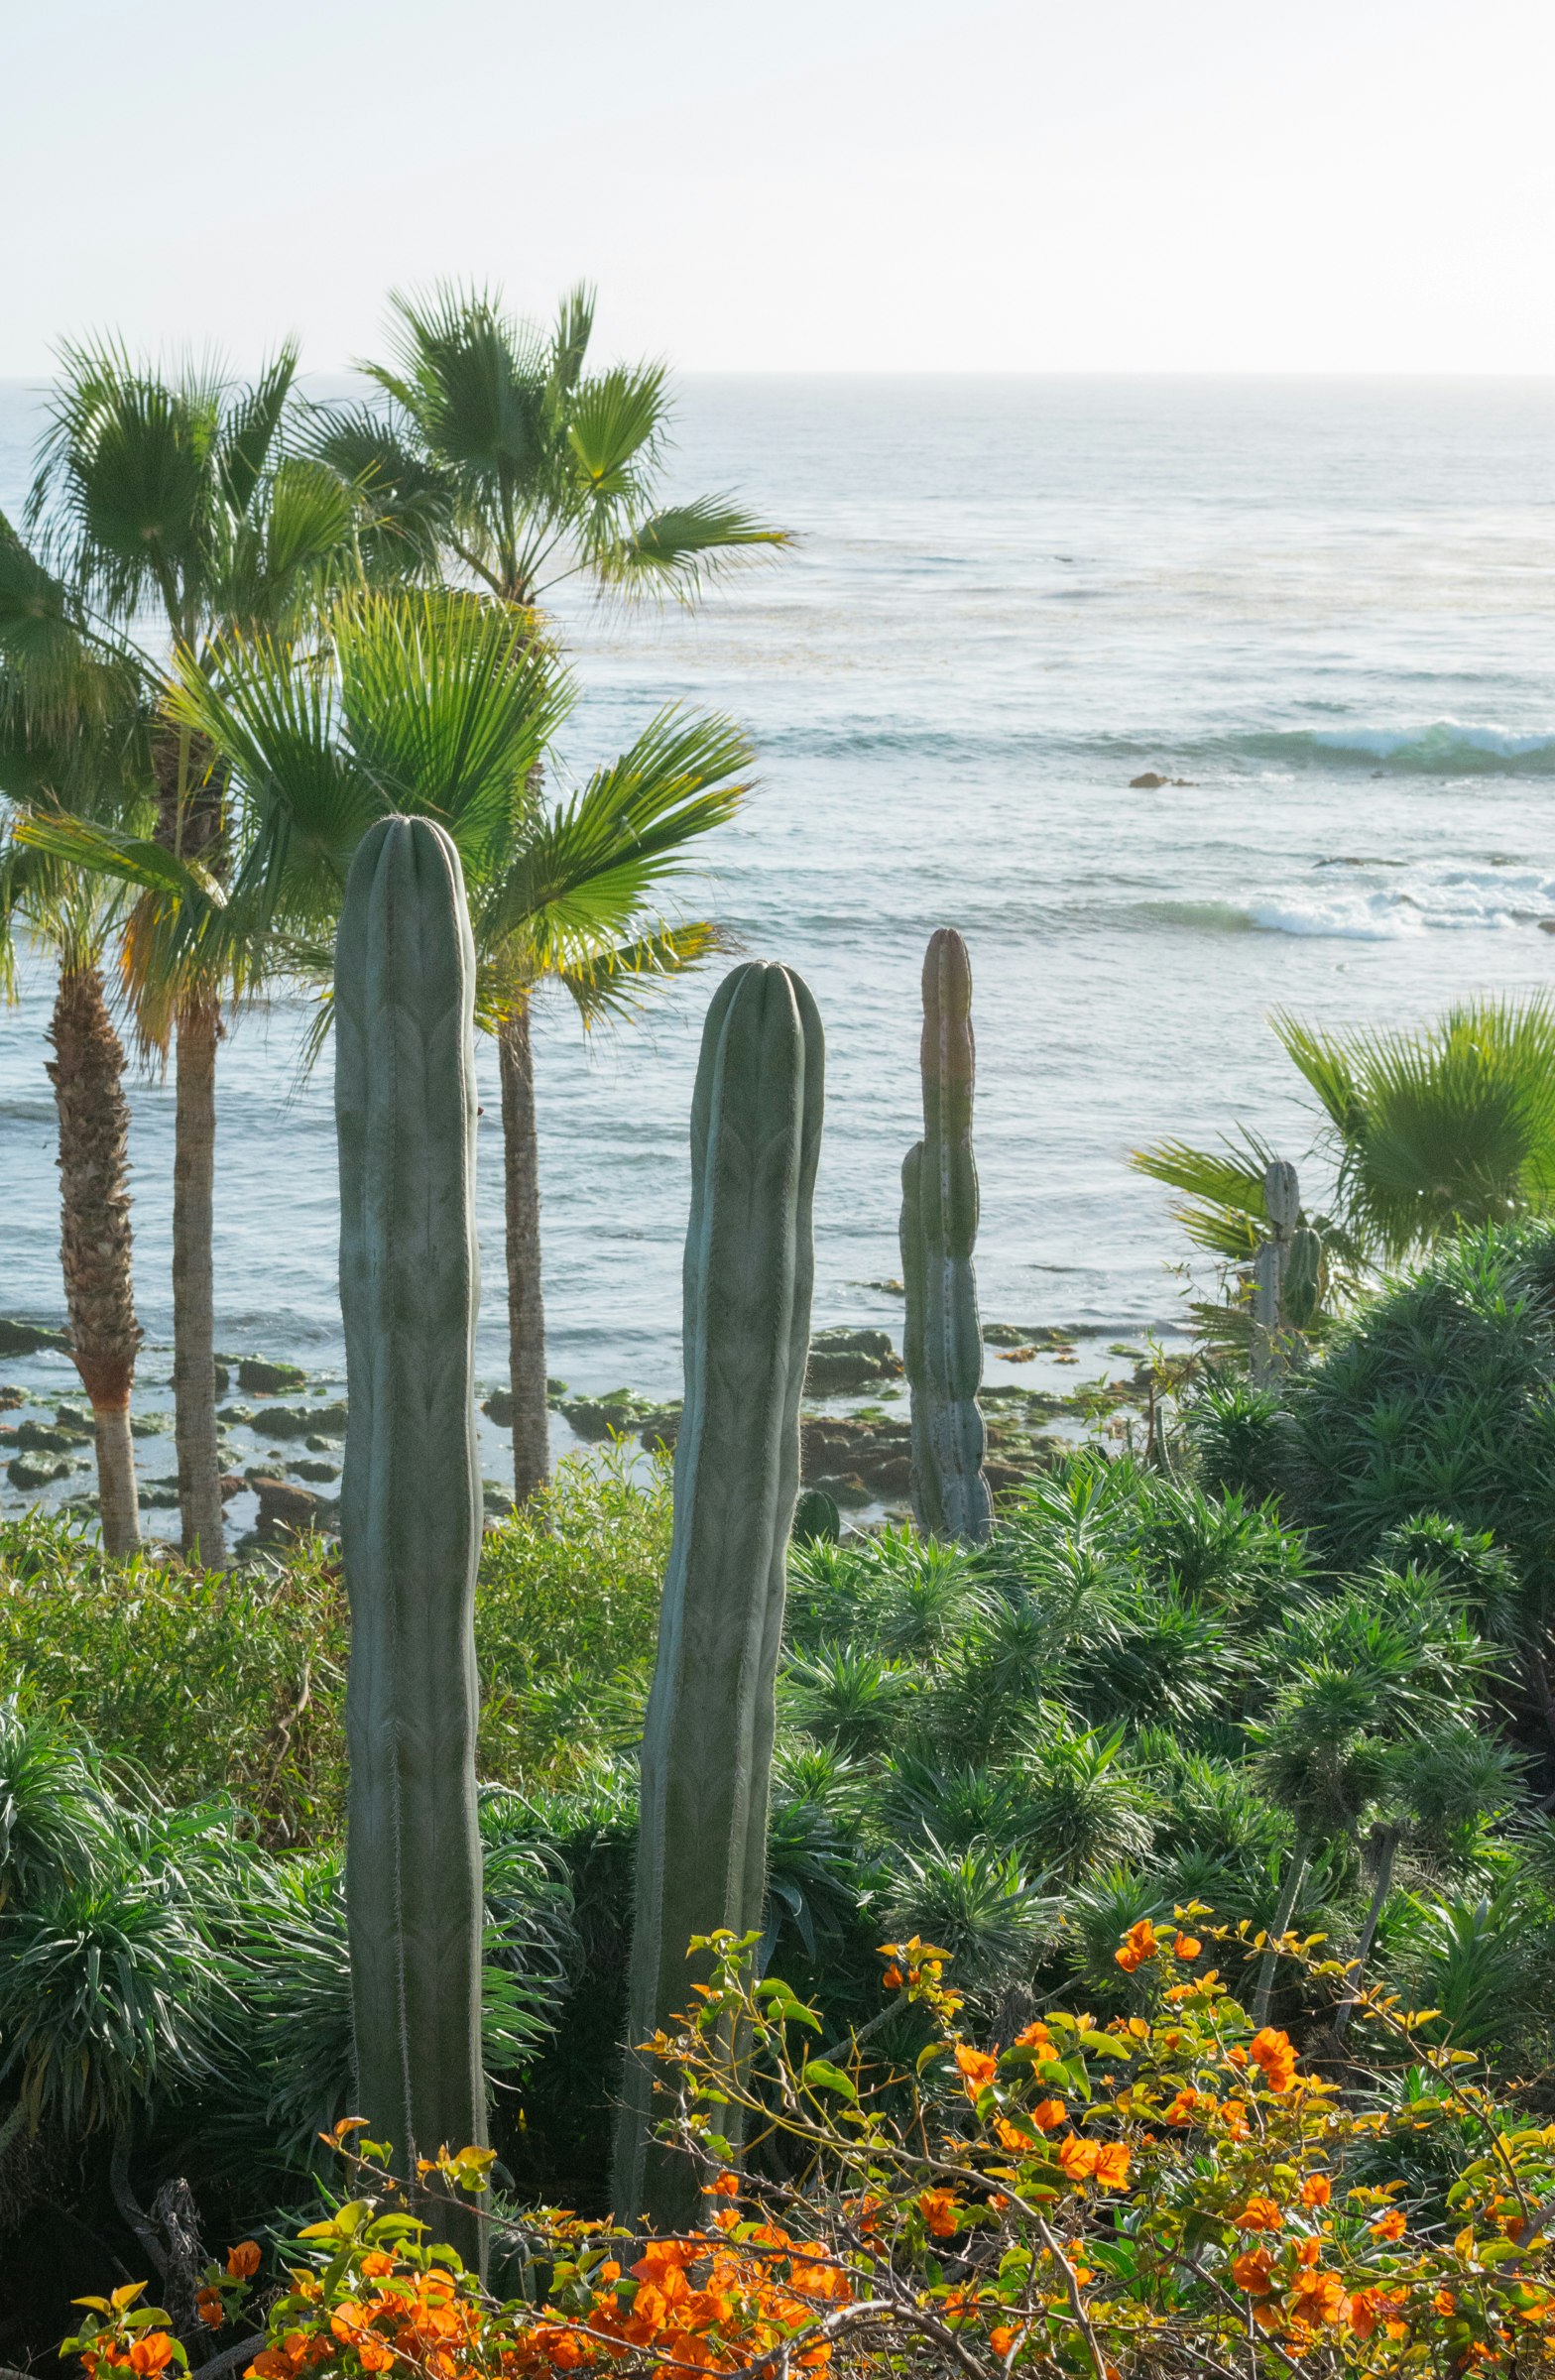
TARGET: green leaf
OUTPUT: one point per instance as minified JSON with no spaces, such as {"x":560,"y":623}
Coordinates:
{"x":133,"y":859}
{"x":818,"y":2072}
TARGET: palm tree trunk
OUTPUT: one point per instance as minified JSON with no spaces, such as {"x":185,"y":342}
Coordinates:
{"x":194,"y":1296}
{"x":525,"y":1306}
{"x":1281,"y":1925}
{"x":1386,"y":1850}
{"x":87,"y":1074}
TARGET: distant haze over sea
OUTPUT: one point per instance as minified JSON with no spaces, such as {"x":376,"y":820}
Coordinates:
{"x":1330,"y":606}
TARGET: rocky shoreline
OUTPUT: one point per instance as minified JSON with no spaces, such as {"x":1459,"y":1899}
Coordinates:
{"x":283,"y":1431}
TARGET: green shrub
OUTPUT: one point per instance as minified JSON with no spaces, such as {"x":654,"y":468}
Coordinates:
{"x":234,"y":1682}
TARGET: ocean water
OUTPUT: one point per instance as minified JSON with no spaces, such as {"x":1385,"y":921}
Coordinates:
{"x":1327,"y":607}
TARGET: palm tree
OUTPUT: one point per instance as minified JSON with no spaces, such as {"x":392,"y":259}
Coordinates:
{"x":503,"y":461}
{"x":73,"y":736}
{"x":1430,"y":1132}
{"x":169,"y":506}
{"x":443,"y":703}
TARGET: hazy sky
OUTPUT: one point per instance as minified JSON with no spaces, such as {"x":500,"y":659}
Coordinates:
{"x":807,"y":184}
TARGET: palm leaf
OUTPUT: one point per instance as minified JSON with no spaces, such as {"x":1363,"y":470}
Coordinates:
{"x":1449,"y":1127}
{"x":1226,"y":1210}
{"x":407,"y":502}
{"x":249,"y":429}
{"x":614,"y":420}
{"x":131,"y":859}
{"x":614,"y":982}
{"x":580,"y":878}
{"x":683,"y":545}
{"x":472,"y":378}
{"x":123,"y":478}
{"x":450,"y":702}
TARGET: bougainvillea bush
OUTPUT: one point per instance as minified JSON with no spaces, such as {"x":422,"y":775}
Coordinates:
{"x":1172,"y":2190}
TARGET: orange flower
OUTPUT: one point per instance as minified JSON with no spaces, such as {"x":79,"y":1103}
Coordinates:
{"x":1188,"y":2105}
{"x":892,"y":1978}
{"x":1365,"y":2312}
{"x":377,"y":2265}
{"x":208,"y":2305}
{"x":1444,"y":2302}
{"x":727,"y":2186}
{"x":1077,"y":2156}
{"x":1048,"y":2115}
{"x":1315,"y":2191}
{"x":243,"y":2260}
{"x":1274,"y":2054}
{"x":1010,"y":2136}
{"x":1318,"y":2298}
{"x":1234,"y":2114}
{"x":1035,"y":2036}
{"x":1252,"y":2271}
{"x":1236,"y":2055}
{"x":1111,"y":2163}
{"x":1001,"y":2339}
{"x":976,"y":2068}
{"x":1259,"y":2215}
{"x":1390,"y":2225}
{"x":1139,"y":1944}
{"x":151,"y":2353}
{"x":938,"y":2209}
{"x":1308,"y":2250}
{"x":1186,"y":1945}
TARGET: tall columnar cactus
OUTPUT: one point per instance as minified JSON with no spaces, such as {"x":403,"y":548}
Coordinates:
{"x":756,"y":1125}
{"x":410,"y":1497}
{"x":943,"y":1341}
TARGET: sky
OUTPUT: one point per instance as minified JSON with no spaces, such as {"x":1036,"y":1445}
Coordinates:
{"x":862,"y":186}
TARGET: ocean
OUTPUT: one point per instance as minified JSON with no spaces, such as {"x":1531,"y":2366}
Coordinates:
{"x":1323,"y":610}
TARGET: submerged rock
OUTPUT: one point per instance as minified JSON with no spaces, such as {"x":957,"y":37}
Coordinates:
{"x":842,"y":1359}
{"x":615,"y":1413}
{"x":311,"y":1469}
{"x":301,"y":1421}
{"x":158,"y":1494}
{"x":264,"y":1378}
{"x":43,"y":1438}
{"x":29,"y":1338}
{"x":38,"y":1471}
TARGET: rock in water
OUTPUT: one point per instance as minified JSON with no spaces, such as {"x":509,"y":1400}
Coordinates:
{"x":842,"y":1359}
{"x":263,"y":1379}
{"x":27,"y":1337}
{"x":38,"y":1471}
{"x":284,"y":1509}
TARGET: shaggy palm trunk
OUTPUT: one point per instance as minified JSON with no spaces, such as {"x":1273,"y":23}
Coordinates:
{"x":193,"y":1295}
{"x":87,"y":1074}
{"x":526,"y":1305}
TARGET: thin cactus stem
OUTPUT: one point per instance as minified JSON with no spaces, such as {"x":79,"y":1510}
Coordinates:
{"x":1283,"y":1200}
{"x":943,"y":1340}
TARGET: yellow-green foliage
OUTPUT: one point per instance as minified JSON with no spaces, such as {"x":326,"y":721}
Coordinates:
{"x":234,"y":1682}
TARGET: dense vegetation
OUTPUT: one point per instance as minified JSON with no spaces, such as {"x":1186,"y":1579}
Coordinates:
{"x":1304,"y":1686}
